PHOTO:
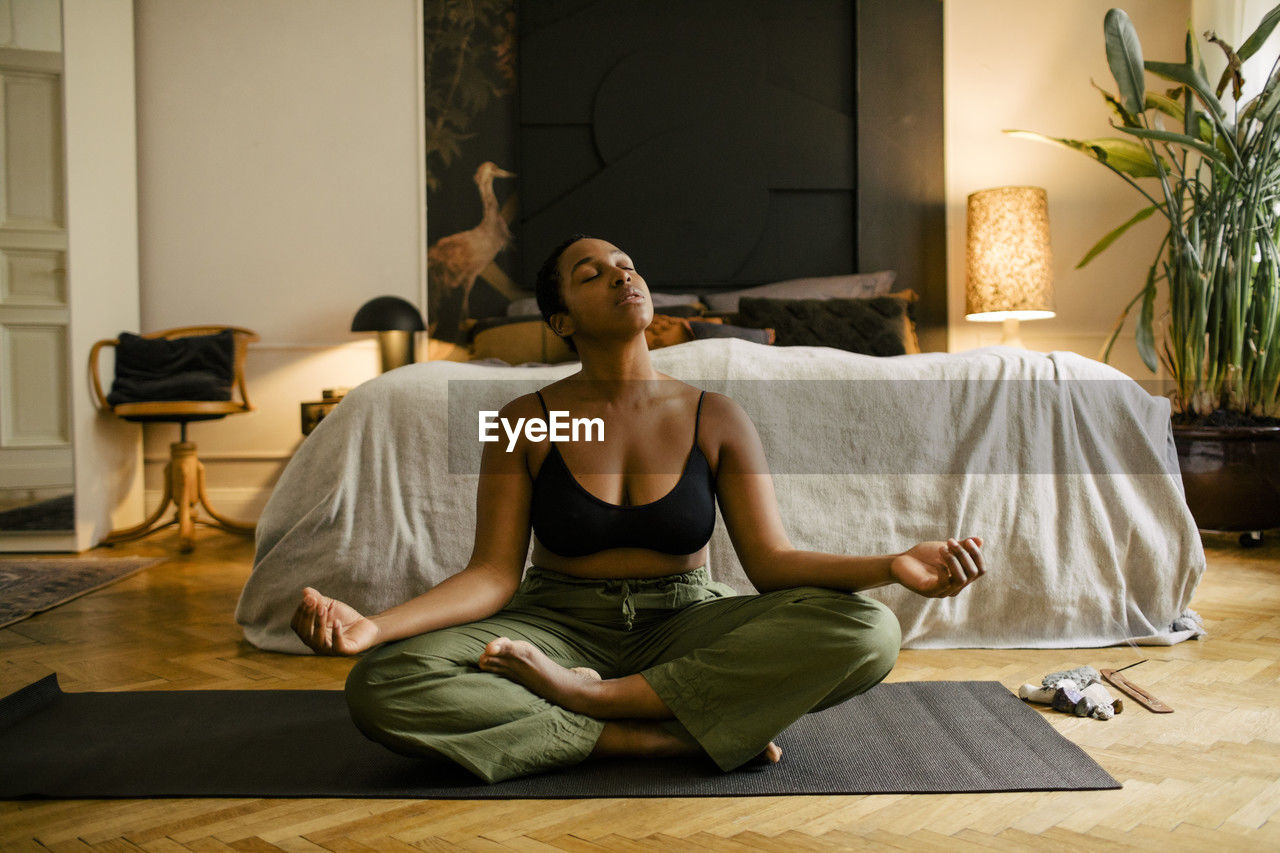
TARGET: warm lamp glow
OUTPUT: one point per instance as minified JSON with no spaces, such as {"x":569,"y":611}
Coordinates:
{"x":1010,"y":266}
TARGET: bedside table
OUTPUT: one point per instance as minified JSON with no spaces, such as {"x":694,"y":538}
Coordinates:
{"x":312,"y":412}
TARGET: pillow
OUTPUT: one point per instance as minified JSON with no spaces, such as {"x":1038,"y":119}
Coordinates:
{"x":438,"y":350}
{"x":880,"y":325}
{"x":198,"y":367}
{"x":666,"y":331}
{"x":481,"y":324}
{"x":691,"y":310}
{"x":859,"y":285}
{"x":519,"y":342}
{"x":522,"y":307}
{"x":703,"y":329}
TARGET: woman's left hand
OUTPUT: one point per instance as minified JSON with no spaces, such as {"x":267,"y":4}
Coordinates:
{"x":939,"y":569}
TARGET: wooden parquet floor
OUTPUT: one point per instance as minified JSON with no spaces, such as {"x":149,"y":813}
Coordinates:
{"x":1206,"y":777}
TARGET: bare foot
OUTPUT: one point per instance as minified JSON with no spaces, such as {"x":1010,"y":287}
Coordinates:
{"x":771,"y":754}
{"x":649,"y":739}
{"x":526,"y":664}
{"x":643,"y":739}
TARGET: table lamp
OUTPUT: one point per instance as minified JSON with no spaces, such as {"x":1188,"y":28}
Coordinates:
{"x":1010,"y":275}
{"x":395,"y":320}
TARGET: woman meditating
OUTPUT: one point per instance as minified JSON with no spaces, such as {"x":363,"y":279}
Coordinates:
{"x":617,"y":642}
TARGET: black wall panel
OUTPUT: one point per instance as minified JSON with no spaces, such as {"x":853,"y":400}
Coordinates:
{"x":901,"y":192}
{"x":725,"y":143}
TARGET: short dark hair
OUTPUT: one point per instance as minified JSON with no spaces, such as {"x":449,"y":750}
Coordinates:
{"x":546,"y":286}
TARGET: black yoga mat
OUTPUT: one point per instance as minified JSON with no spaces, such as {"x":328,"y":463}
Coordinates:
{"x":905,"y":737}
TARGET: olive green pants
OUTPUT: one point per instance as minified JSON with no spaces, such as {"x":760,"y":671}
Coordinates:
{"x":735,"y":670}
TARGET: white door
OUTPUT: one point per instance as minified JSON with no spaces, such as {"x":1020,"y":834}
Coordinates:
{"x":35,"y":422}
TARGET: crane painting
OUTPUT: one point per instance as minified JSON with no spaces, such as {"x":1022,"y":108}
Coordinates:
{"x":454,"y":262}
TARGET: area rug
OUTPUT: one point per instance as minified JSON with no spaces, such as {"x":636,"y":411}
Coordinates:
{"x":905,"y":737}
{"x":32,"y":585}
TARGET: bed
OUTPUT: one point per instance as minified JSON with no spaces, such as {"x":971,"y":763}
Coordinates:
{"x":1066,"y":467}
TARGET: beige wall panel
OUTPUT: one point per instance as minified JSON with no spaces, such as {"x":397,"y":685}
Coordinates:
{"x":34,"y":475}
{"x":279,"y":163}
{"x":33,"y":403}
{"x":32,"y":150}
{"x":31,"y":24}
{"x":35,"y":278}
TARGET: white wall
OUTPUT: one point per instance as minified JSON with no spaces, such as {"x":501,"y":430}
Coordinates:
{"x":1234,"y":21}
{"x":102,"y":257}
{"x":1027,"y":65}
{"x":280,"y":187}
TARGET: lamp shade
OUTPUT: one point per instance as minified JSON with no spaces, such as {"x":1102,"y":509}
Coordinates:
{"x":388,"y":314}
{"x":1010,"y":266}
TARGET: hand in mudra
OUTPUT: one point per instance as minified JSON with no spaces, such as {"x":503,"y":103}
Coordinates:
{"x":939,"y":569}
{"x":330,"y":627}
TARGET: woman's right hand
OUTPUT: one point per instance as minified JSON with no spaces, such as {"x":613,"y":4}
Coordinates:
{"x":330,"y":627}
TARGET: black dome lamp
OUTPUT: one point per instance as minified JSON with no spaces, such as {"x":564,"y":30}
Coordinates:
{"x":395,"y":320}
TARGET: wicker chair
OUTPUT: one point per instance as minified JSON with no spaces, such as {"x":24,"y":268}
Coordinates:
{"x":184,"y":473}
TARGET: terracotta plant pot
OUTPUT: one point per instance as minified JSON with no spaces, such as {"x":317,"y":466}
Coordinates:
{"x":1231,"y":476}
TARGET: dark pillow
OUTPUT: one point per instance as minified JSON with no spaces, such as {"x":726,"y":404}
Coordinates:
{"x":872,"y":326}
{"x":855,"y":286}
{"x":702,"y":330}
{"x":199,"y":367}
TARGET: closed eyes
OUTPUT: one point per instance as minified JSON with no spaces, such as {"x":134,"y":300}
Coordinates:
{"x":596,"y":273}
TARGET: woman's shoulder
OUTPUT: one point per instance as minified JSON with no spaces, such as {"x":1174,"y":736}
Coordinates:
{"x":710,"y":404}
{"x":723,"y":418}
{"x":715,"y":402}
{"x":687,"y":390}
{"x":726,"y":431}
{"x":524,"y":406}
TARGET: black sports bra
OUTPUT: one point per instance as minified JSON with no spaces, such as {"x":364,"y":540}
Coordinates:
{"x":572,"y":522}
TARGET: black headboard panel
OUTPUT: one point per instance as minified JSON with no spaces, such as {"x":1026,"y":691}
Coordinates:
{"x":718,"y":141}
{"x":712,"y":139}
{"x":901,"y":188}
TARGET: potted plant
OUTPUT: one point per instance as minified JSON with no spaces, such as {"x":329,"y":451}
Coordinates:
{"x":1212,"y":171}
